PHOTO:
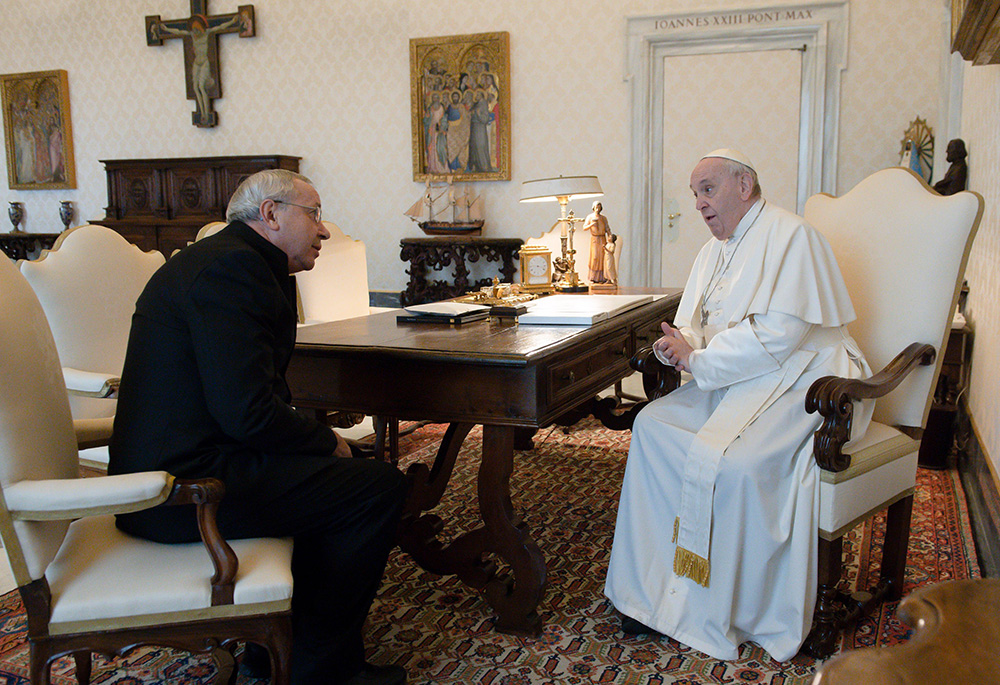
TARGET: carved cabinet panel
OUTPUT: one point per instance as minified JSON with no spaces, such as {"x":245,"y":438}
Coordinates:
{"x":161,"y":203}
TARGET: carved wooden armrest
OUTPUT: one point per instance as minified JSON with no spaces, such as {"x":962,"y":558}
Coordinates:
{"x":833,"y":398}
{"x":657,"y":378}
{"x":206,"y":493}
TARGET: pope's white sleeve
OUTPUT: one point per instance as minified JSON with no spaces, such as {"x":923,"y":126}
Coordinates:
{"x":757,"y":345}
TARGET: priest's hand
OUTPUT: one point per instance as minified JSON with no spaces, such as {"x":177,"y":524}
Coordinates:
{"x":673,"y":348}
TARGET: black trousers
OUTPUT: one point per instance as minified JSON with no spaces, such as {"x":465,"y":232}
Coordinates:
{"x":342,"y":514}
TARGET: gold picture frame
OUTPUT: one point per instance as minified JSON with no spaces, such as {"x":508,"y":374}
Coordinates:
{"x":460,"y":107}
{"x":37,"y":132}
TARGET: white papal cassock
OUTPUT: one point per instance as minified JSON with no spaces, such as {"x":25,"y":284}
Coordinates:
{"x":716,"y":540}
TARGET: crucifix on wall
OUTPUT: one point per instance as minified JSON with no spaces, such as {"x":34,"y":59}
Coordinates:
{"x":200,"y":33}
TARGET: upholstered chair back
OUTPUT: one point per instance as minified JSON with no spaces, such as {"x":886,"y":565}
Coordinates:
{"x":899,"y":246}
{"x":37,"y":440}
{"x":88,"y":284}
{"x":210,"y":228}
{"x":337,"y":287}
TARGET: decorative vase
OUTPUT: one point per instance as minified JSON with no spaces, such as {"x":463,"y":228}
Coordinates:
{"x":16,"y":213}
{"x":66,"y":213}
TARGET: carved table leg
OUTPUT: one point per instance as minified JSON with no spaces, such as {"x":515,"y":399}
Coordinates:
{"x":502,"y":532}
{"x":515,"y":600}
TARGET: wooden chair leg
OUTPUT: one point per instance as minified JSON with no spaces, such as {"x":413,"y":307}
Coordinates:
{"x":83,"y":667}
{"x":280,"y":648}
{"x":897,"y":539}
{"x":39,"y":665}
{"x":386,"y":431}
{"x":225,"y":664}
{"x":822,"y":639}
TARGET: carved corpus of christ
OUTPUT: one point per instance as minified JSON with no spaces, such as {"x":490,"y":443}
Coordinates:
{"x":200,"y":33}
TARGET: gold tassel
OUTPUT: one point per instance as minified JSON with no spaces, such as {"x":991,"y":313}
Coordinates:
{"x":689,"y":564}
{"x":677,"y":528}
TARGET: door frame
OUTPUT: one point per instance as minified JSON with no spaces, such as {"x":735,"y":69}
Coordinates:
{"x":819,"y":29}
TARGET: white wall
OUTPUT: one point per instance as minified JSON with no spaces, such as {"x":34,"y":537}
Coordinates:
{"x":980,"y":115}
{"x":329,"y":81}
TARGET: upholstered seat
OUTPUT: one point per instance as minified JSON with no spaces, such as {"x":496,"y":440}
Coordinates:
{"x":88,"y":284}
{"x":87,"y":586}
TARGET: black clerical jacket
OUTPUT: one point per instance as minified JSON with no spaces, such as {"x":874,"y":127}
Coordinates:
{"x":203,"y":390}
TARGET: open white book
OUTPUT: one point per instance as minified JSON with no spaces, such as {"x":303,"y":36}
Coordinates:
{"x":579,"y":310}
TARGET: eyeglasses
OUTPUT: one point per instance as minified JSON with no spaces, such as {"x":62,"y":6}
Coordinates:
{"x":317,"y":212}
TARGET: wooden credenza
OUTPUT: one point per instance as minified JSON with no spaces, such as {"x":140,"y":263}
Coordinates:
{"x":161,"y":203}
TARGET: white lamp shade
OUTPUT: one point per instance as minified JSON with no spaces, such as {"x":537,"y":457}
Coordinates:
{"x":551,"y":189}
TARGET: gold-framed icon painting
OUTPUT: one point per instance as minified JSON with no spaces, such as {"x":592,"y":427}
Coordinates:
{"x":460,"y":102}
{"x":37,"y":133}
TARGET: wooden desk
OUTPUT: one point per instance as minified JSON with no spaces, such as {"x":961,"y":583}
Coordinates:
{"x":490,"y":372}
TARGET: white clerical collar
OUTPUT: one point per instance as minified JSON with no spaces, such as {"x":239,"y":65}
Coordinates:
{"x":746,"y":222}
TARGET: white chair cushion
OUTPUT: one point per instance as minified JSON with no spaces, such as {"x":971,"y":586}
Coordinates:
{"x":883,"y":469}
{"x":110,"y":579}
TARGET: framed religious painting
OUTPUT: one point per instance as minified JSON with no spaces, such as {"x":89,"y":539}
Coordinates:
{"x":37,"y":132}
{"x":460,"y":107}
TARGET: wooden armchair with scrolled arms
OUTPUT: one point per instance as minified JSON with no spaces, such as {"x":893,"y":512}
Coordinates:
{"x":902,"y":249}
{"x":86,"y":585}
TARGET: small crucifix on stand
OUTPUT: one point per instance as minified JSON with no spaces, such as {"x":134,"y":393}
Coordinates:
{"x":201,"y":51}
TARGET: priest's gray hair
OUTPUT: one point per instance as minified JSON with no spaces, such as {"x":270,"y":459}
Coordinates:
{"x":738,"y":169}
{"x":269,"y":184}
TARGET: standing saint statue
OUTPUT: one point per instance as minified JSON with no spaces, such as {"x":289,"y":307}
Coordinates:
{"x":597,"y":224}
{"x":610,"y":265}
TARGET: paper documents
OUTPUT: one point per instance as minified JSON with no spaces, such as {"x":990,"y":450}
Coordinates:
{"x":579,"y":310}
{"x":443,"y":312}
{"x":446,"y":308}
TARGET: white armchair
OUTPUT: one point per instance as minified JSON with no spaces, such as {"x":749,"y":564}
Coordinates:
{"x":337,"y":286}
{"x":87,"y":586}
{"x":88,"y":284}
{"x":902,"y":249}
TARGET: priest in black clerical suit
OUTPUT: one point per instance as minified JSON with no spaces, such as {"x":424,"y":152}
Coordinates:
{"x":203,"y":393}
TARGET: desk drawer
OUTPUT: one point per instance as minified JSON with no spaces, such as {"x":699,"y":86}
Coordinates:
{"x":648,"y":331}
{"x":602,"y":363}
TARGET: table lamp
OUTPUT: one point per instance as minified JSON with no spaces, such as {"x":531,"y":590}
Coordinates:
{"x":563,"y":189}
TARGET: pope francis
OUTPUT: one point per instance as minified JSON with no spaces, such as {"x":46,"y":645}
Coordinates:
{"x":716,"y":540}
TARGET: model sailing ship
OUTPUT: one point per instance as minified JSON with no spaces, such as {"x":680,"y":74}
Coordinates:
{"x":447,"y":209}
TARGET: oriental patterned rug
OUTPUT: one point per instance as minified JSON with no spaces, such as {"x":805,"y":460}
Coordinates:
{"x":567,"y":490}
